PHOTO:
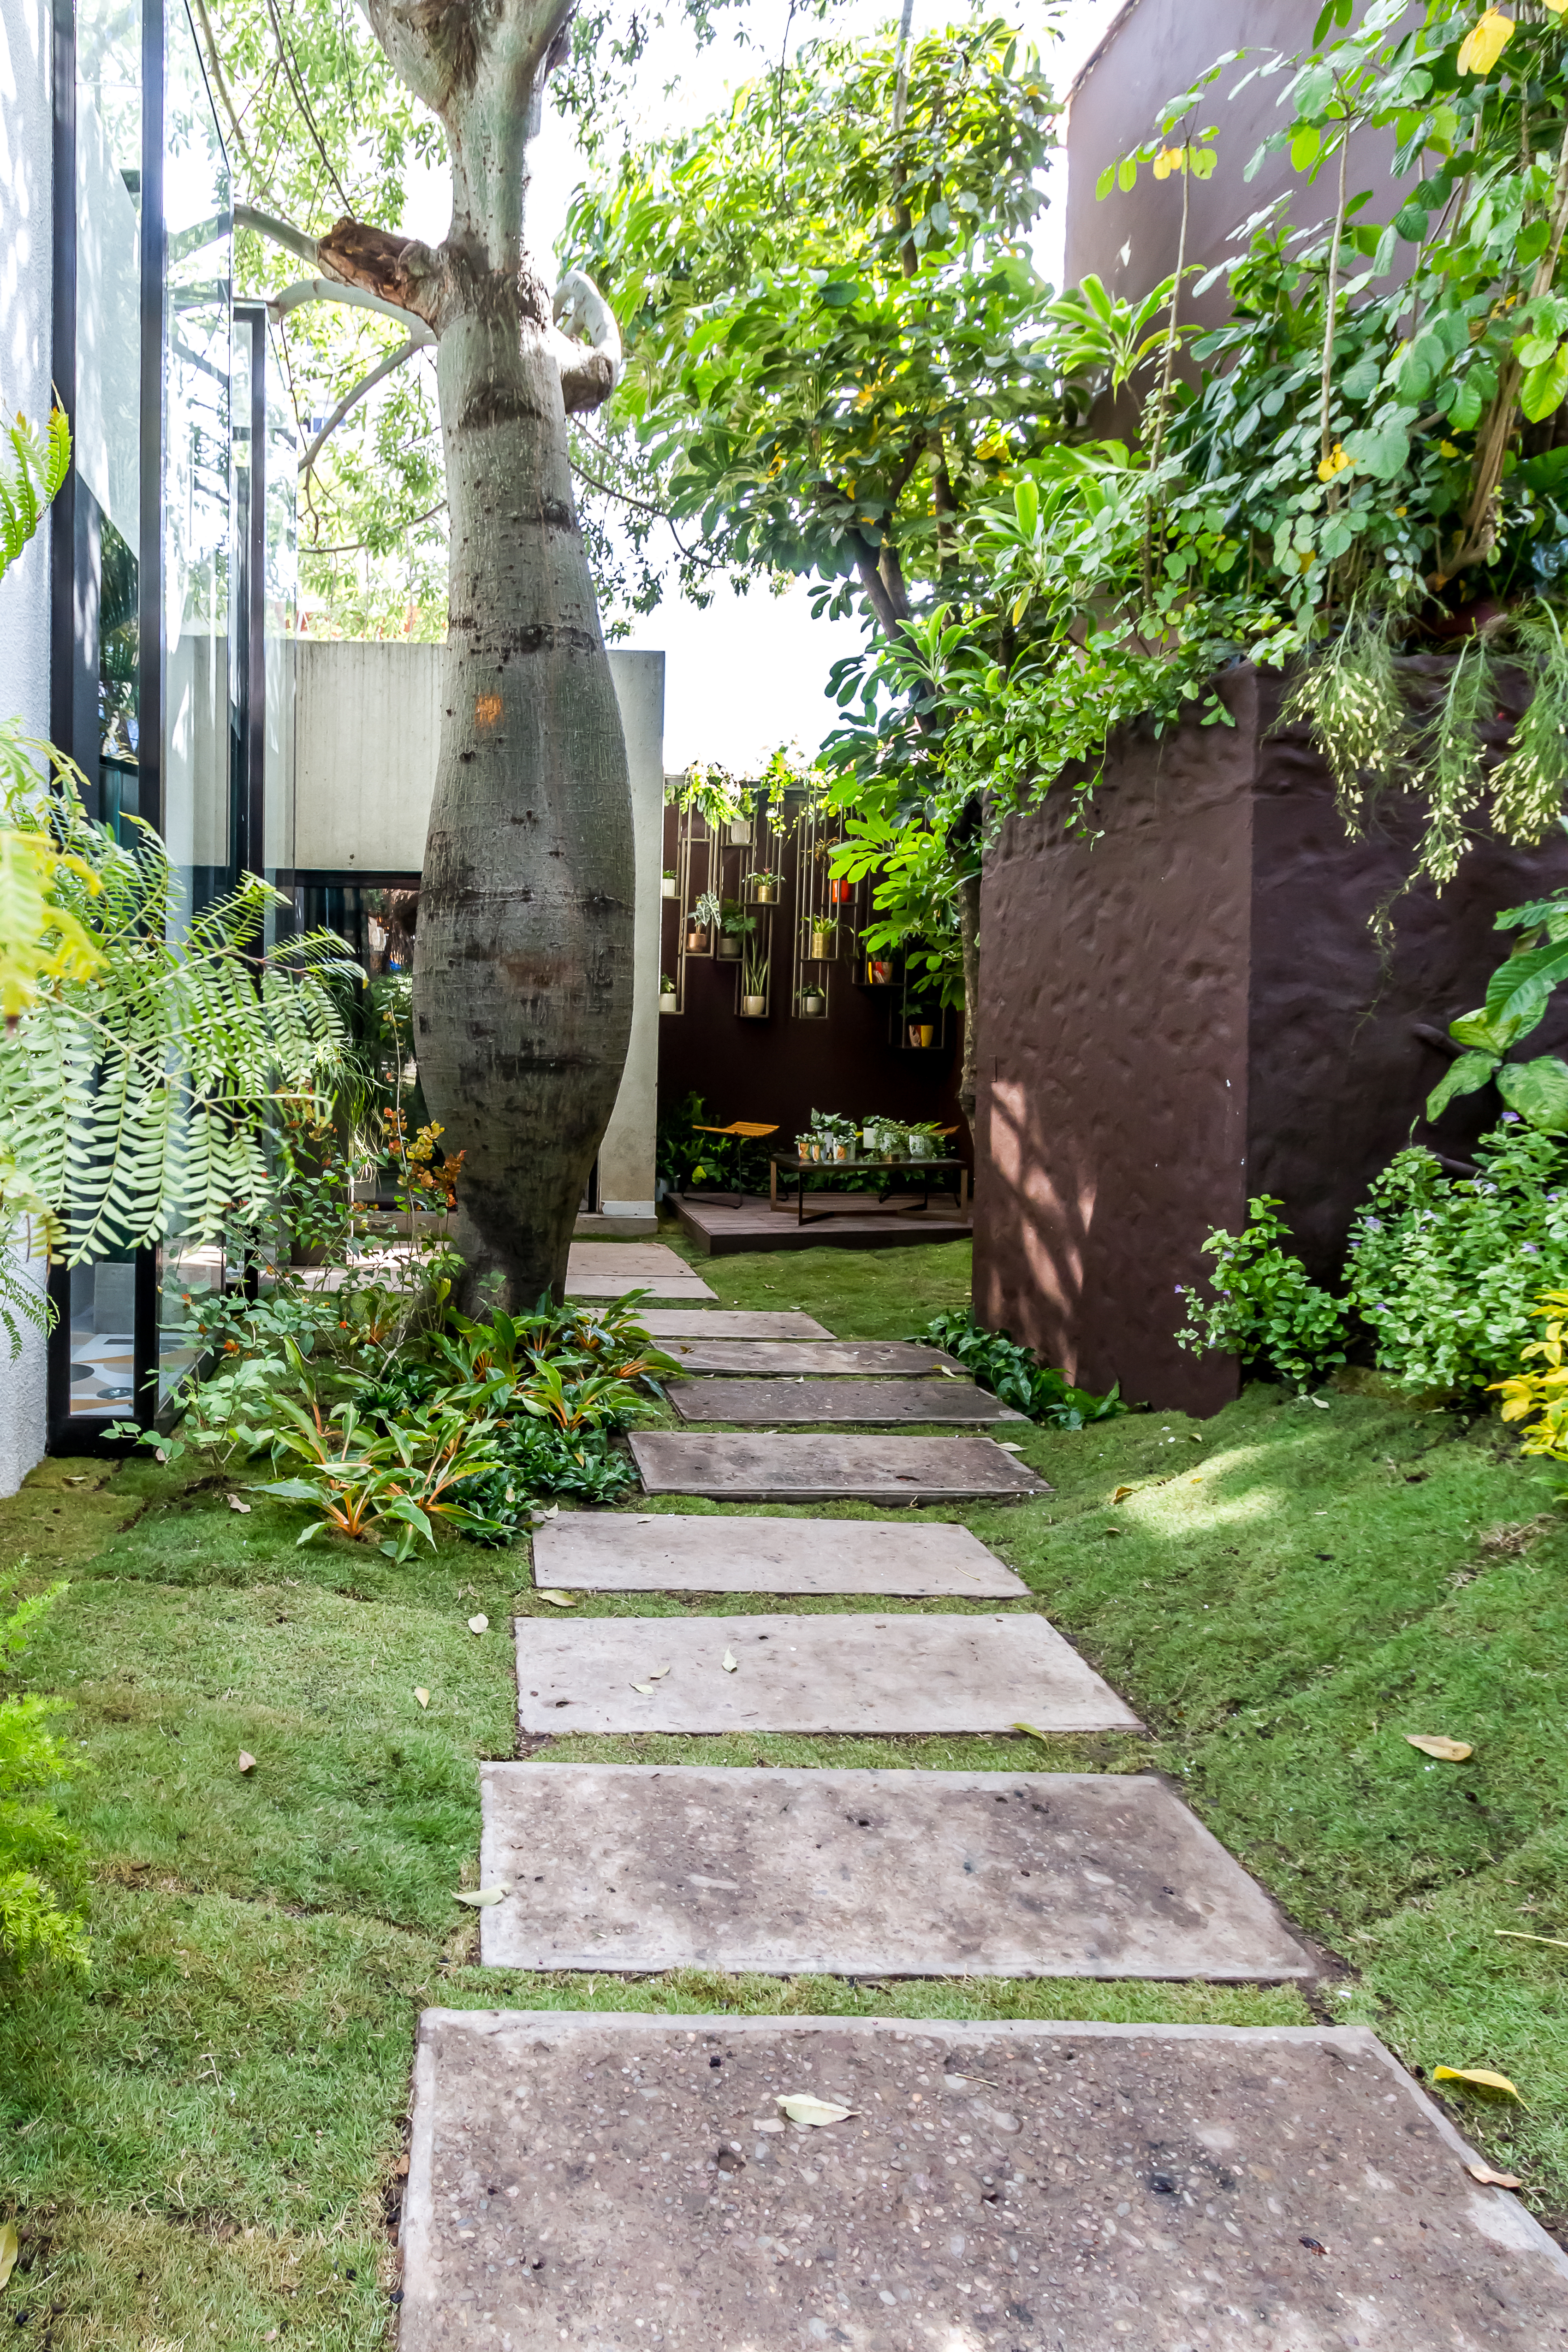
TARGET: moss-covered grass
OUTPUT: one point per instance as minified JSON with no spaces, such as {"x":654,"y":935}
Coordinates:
{"x":201,"y":2139}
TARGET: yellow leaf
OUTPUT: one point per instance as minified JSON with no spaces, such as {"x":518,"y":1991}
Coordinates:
{"x":802,"y":2108}
{"x":1032,"y":1732}
{"x":422,"y":1696}
{"x":484,"y":1898}
{"x":1481,"y":2078}
{"x":1485,"y":42}
{"x":8,"y":2250}
{"x":1446,"y":1751}
{"x":1123,"y":1491}
{"x":646,"y":1690}
{"x":558,"y":1600}
{"x":1483,"y":2172}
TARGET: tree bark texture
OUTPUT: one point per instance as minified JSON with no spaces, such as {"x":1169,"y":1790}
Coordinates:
{"x":523,"y":969}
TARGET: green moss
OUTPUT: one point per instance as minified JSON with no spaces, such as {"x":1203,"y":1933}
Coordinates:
{"x":200,"y":2139}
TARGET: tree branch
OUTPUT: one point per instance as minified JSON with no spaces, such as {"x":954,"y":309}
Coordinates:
{"x":420,"y":339}
{"x":332,"y":289}
{"x":588,"y":375}
{"x":278,"y":232}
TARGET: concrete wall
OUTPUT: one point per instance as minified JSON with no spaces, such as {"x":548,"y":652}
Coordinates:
{"x":367,"y":727}
{"x":26,"y":198}
{"x":1194,"y":1009}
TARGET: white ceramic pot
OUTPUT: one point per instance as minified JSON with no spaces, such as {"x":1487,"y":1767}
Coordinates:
{"x":753,"y":1007}
{"x":669,"y":887}
{"x":741,"y":834}
{"x":669,"y":1002}
{"x":810,"y":1003}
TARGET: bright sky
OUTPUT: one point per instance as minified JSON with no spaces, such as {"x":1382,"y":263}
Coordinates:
{"x":750,"y":673}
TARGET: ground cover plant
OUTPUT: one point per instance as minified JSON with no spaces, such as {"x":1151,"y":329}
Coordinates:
{"x":204,"y":2132}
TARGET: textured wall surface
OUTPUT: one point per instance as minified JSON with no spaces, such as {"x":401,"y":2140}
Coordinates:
{"x":1194,"y":1009}
{"x":1111,"y":1100}
{"x":26,"y":183}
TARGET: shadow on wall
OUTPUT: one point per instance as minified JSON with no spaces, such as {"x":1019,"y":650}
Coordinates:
{"x":1192,"y":1009}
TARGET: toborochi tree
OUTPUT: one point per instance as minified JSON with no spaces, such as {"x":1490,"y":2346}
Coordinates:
{"x":522,"y":982}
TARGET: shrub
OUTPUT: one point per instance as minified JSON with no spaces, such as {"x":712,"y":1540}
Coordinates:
{"x":1541,"y":1395}
{"x":1014,"y":1374}
{"x":1266,"y":1310}
{"x":1446,"y":1271}
{"x":37,"y":1851}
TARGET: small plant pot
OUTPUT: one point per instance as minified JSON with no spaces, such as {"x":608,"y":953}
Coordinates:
{"x":696,"y":943}
{"x":879,"y":972}
{"x":922,"y":1033}
{"x":813,"y":1005}
{"x":669,"y":999}
{"x":741,"y":834}
{"x":821,"y":945}
{"x":669,"y":887}
{"x":753,"y":1007}
{"x":840,"y":894}
{"x":764,"y":894}
{"x":919,"y":1151}
{"x":729,"y":950}
{"x":841,"y":1151}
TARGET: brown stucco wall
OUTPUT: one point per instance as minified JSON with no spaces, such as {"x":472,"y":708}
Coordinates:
{"x":1194,"y":1008}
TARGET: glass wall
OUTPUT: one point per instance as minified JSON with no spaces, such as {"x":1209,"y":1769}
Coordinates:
{"x":201,"y":750}
{"x":281,"y":618}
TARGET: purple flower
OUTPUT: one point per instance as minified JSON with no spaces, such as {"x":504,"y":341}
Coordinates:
{"x":1511,"y":1119}
{"x":1530,"y":1249}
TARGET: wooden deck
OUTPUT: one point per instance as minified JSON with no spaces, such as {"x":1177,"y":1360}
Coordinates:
{"x":840,"y":1221}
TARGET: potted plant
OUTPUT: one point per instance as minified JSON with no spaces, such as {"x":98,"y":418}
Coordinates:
{"x":734,"y":925}
{"x":821,"y":932}
{"x":765,"y":887}
{"x":668,"y":996}
{"x":840,"y":890}
{"x":705,"y":916}
{"x":755,"y":987}
{"x":739,"y":833}
{"x":813,"y":1003}
{"x":669,"y":884}
{"x":880,"y":971}
{"x":922,"y":1033}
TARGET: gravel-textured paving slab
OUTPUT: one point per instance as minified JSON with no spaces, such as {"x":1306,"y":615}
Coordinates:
{"x":733,"y":1466}
{"x":866,"y":1874}
{"x":734,"y":1323}
{"x":885,"y":1403}
{"x":852,"y":1674}
{"x":609,"y":1269}
{"x":998,"y":2189}
{"x":832,"y":1358}
{"x":602,"y":1551}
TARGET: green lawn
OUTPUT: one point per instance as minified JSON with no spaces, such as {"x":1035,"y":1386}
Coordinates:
{"x":202,"y":2136}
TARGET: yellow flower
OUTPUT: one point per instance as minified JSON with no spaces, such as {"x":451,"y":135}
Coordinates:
{"x":1336,"y":462}
{"x":1447,"y":449}
{"x":1402,"y":510}
{"x":1174,"y":159}
{"x":1485,"y":42}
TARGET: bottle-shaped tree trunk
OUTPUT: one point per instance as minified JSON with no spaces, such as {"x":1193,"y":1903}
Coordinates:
{"x":522,"y":974}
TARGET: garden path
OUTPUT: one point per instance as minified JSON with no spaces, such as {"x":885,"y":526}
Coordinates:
{"x":605,"y":2181}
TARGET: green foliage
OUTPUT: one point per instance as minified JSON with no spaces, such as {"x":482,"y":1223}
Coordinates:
{"x":1518,"y":994}
{"x":1265,"y":1308}
{"x":1444,"y":1271}
{"x":38,"y":1853}
{"x":38,"y":465}
{"x":1014,"y":1374}
{"x":1537,"y":1394}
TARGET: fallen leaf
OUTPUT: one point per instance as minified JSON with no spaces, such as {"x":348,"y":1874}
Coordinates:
{"x":656,"y":1673}
{"x":1120,"y":1494}
{"x":236,"y":1505}
{"x":1491,"y":2180}
{"x":1447,"y":1751}
{"x":646,"y":1689}
{"x":422,"y":1696}
{"x":8,"y":2250}
{"x":79,"y":1480}
{"x":159,"y":1454}
{"x":1031,"y":1730}
{"x":1482,"y":2078}
{"x":1518,"y":1935}
{"x":479,"y":1624}
{"x":247,"y":1761}
{"x":728,"y":1662}
{"x":484,"y":1896}
{"x":535,"y":1514}
{"x":802,"y":2108}
{"x":400,"y":2169}
{"x":1007,"y":1446}
{"x":766,"y":2124}
{"x":557,"y":1600}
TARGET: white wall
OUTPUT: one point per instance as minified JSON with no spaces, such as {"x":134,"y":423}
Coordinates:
{"x":25,"y":197}
{"x":367,"y":725}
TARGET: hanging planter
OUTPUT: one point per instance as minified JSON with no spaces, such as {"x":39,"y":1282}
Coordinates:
{"x":765,"y":889}
{"x":841,"y":893}
{"x":696,"y":940}
{"x":668,"y":996}
{"x":669,"y":887}
{"x":741,"y":832}
{"x":753,"y":1007}
{"x":813,"y":1004}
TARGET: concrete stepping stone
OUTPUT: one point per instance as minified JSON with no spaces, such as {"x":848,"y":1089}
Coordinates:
{"x":832,"y":1358}
{"x":1016,"y":2187}
{"x":733,"y":1466}
{"x":866,"y":1874}
{"x":734,"y":1323}
{"x":609,"y":1269}
{"x":888,"y":1403}
{"x":849,"y":1674}
{"x":600,"y":1551}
